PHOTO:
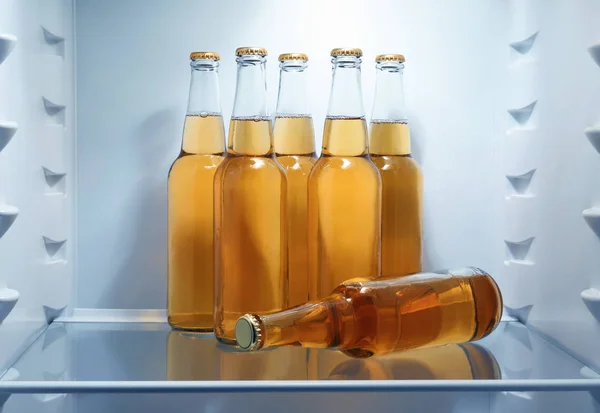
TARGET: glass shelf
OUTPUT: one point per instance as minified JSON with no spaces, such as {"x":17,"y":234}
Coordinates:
{"x":150,"y":357}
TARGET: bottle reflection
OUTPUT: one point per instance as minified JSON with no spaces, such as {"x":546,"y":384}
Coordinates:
{"x":321,"y":362}
{"x":190,"y":356}
{"x":196,"y":356}
{"x":450,"y":362}
{"x":285,"y":363}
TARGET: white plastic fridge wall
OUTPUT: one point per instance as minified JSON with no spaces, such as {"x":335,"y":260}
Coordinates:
{"x":502,"y":95}
{"x":37,"y":149}
{"x":132,"y":85}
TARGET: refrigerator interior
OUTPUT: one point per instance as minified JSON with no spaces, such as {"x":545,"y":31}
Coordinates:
{"x":504,"y":105}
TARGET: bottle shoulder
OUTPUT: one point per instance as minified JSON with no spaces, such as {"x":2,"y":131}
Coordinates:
{"x":396,"y":163}
{"x":197,"y":163}
{"x":236,"y":164}
{"x":348,"y":165}
{"x":299,"y":163}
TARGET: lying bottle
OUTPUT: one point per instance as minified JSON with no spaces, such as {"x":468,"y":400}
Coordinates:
{"x":451,"y":362}
{"x":365,"y":317}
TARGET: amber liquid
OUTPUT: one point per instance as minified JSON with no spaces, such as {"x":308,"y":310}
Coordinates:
{"x":295,"y":151}
{"x":450,"y":362}
{"x":366,"y":317}
{"x":250,"y":228}
{"x":190,"y":218}
{"x":402,"y":198}
{"x":344,"y":209}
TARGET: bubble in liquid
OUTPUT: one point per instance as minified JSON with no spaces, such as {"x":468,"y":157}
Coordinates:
{"x":203,"y":114}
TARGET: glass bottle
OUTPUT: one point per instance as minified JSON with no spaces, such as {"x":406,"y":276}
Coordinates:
{"x":295,"y":150}
{"x":344,"y":188}
{"x":402,"y":181}
{"x":364,"y":317}
{"x":250,"y":202}
{"x":190,"y":193}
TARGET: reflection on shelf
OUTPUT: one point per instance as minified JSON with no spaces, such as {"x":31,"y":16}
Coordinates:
{"x":129,"y":352}
{"x":196,"y":356}
{"x":450,"y":362}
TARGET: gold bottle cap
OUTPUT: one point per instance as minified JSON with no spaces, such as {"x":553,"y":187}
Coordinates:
{"x":204,"y":55}
{"x":293,"y":56}
{"x":247,"y":332}
{"x":389,"y":58}
{"x":341,"y":51}
{"x":251,"y":51}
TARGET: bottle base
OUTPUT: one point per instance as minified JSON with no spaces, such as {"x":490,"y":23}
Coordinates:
{"x":196,"y":323}
{"x":226,"y":341}
{"x":191,"y":329}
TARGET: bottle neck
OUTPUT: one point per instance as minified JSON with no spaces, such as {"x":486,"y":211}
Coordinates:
{"x":345,"y":99}
{"x":390,"y":135}
{"x":345,"y":132}
{"x":324,"y":323}
{"x":250,"y":127}
{"x":293,"y":130}
{"x":203,"y":131}
{"x":205,"y":97}
{"x":292,"y":98}
{"x":251,"y":90}
{"x":388,"y":104}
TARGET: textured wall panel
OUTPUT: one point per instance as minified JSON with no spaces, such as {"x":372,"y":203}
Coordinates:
{"x":36,"y":156}
{"x":553,"y":168}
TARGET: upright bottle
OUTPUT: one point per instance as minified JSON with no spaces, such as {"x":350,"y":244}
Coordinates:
{"x":364,"y":317}
{"x":402,"y":182}
{"x":250,"y":202}
{"x":344,"y":188}
{"x":190,"y":216}
{"x":295,"y":150}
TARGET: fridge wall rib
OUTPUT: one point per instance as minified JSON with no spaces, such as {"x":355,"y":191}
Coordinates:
{"x":37,"y":148}
{"x":504,"y":108}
